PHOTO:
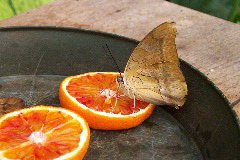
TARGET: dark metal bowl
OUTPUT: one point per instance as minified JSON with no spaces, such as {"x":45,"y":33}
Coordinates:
{"x":34,"y":60}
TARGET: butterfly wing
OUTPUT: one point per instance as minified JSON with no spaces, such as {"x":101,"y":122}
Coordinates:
{"x":152,"y":73}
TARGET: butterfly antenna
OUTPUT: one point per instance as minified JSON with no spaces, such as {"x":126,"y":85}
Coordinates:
{"x":108,"y":51}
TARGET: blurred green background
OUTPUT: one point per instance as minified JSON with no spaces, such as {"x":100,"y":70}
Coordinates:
{"x":225,"y":9}
{"x":9,"y":8}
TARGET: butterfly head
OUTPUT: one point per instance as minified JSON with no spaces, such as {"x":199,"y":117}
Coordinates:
{"x":120,"y":79}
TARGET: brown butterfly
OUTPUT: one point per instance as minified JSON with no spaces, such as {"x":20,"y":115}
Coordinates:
{"x":153,"y":73}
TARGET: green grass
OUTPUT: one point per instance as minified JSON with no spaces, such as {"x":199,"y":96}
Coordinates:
{"x":9,"y":8}
{"x":5,"y":10}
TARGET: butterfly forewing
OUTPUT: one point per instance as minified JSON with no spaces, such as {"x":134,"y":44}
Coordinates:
{"x":152,"y":73}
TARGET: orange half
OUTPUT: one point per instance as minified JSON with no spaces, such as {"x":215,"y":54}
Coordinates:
{"x":42,"y":133}
{"x":97,"y":97}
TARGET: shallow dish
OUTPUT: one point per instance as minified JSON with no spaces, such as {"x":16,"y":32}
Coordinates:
{"x":34,"y":60}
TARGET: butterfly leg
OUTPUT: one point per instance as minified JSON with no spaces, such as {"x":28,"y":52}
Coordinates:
{"x":115,"y":104}
{"x":116,"y":95}
{"x":134,"y":101}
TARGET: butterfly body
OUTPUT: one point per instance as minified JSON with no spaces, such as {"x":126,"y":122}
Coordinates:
{"x":153,"y":72}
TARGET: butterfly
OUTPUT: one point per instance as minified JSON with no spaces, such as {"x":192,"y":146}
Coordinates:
{"x":153,"y":73}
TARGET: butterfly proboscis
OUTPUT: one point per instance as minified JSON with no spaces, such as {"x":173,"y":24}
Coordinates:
{"x":120,"y":77}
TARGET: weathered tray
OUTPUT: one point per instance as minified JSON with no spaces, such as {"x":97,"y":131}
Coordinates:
{"x":34,"y":60}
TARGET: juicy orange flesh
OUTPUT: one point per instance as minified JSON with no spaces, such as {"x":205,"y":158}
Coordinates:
{"x":101,"y":92}
{"x":61,"y":134}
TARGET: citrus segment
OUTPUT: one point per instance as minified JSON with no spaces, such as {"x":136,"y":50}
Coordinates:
{"x":43,"y":133}
{"x":35,"y":120}
{"x":54,"y":119}
{"x":13,"y":132}
{"x":63,"y":139}
{"x":98,"y":98}
{"x":31,"y":151}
